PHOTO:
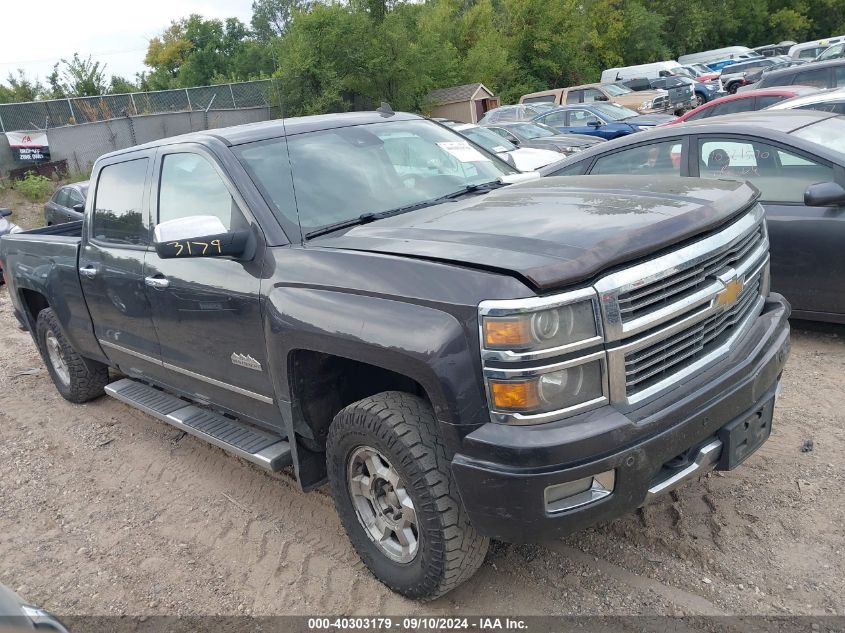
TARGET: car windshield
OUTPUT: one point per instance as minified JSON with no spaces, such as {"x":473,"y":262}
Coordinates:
{"x":318,"y":179}
{"x":533,"y":130}
{"x":490,"y":141}
{"x":614,"y":111}
{"x":829,"y":133}
{"x":616,"y":90}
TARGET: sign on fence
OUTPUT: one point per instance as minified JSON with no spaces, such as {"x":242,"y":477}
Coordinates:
{"x":29,"y":147}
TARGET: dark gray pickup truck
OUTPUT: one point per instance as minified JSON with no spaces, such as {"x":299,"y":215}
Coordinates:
{"x":461,"y":351}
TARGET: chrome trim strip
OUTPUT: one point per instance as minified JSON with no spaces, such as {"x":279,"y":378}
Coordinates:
{"x":508,"y":373}
{"x":187,"y":372}
{"x":630,"y":279}
{"x":705,"y":461}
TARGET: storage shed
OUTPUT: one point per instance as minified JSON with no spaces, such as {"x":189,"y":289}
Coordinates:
{"x":466,"y":103}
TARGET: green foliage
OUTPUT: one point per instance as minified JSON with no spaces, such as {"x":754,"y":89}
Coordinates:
{"x":20,"y":88}
{"x":34,"y":188}
{"x":77,"y":78}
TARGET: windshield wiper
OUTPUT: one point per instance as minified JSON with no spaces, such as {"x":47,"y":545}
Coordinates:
{"x":366,"y":218}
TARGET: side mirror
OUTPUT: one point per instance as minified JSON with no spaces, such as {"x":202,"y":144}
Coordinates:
{"x":199,"y":236}
{"x":601,"y":98}
{"x":824,"y":194}
{"x":594,"y":123}
{"x":514,"y":141}
{"x":5,"y":213}
{"x":79,"y":208}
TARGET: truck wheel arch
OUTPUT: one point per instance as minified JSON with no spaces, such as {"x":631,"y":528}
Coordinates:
{"x":33,"y":302}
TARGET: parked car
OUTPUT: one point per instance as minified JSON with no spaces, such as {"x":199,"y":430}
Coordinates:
{"x":541,"y":136}
{"x":67,"y":204}
{"x":796,"y":159}
{"x":829,"y":74}
{"x":772,"y":50}
{"x":833,"y":52}
{"x":686,"y":93}
{"x":754,"y":76}
{"x":459,"y":358}
{"x":707,"y":57}
{"x":6,"y":227}
{"x":523,"y":158}
{"x":744,"y":102}
{"x":645,"y":102}
{"x":513,"y":113}
{"x":701,"y":72}
{"x":738,"y":74}
{"x":605,"y":120}
{"x":812,"y":49}
{"x":649,"y":71}
{"x":824,"y":100}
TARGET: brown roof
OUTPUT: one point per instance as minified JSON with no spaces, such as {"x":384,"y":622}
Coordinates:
{"x":456,"y":94}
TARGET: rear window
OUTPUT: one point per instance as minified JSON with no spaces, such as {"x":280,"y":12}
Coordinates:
{"x":119,"y":204}
{"x":829,"y":133}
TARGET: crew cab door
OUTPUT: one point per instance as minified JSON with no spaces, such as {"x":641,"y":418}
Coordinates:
{"x":207,"y":310}
{"x":111,"y":261}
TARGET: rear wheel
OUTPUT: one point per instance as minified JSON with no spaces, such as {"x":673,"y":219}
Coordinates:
{"x":78,"y":379}
{"x":732,"y":88}
{"x":394,"y":493}
{"x":700,"y":99}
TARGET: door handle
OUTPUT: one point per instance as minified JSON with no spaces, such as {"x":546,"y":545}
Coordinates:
{"x":89,"y":271}
{"x":159,"y":283}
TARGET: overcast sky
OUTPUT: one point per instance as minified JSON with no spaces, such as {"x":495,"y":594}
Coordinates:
{"x":35,"y":35}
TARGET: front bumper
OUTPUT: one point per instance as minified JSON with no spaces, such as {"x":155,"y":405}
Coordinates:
{"x":503,"y":471}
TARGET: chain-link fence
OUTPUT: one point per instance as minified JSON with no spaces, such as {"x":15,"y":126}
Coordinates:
{"x":39,"y":115}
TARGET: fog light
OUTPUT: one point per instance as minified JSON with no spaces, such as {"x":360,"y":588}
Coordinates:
{"x":574,"y":494}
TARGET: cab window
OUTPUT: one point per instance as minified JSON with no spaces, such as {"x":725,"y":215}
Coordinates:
{"x":118,"y":204}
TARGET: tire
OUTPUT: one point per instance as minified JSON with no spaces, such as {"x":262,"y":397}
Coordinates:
{"x":700,"y":99}
{"x":402,"y":432}
{"x":77,"y":379}
{"x":732,"y":88}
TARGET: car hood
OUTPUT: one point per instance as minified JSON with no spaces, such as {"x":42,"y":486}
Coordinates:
{"x":531,"y":158}
{"x":555,"y":232}
{"x":646,"y":120}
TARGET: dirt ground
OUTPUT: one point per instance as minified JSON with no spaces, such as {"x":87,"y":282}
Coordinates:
{"x":104,"y":510}
{"x":27,"y":214}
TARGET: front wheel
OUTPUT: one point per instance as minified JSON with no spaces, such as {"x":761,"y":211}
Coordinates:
{"x":700,"y":99}
{"x":395,"y":495}
{"x":78,"y":379}
{"x":732,"y":88}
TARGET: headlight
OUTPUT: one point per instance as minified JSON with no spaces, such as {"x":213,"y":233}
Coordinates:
{"x":540,"y":330}
{"x":646,"y":105}
{"x":568,"y":149}
{"x":516,"y":338}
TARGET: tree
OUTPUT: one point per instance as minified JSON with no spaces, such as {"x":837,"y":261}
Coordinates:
{"x":78,"y":78}
{"x":270,"y":18}
{"x":120,"y":85}
{"x":21,"y":88}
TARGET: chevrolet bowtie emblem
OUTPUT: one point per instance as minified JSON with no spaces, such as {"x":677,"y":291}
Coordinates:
{"x":731,"y":293}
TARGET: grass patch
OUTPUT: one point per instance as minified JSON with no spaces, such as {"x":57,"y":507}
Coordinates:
{"x":34,"y":188}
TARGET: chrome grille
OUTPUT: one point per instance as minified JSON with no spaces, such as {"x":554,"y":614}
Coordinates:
{"x":682,"y":284}
{"x":648,"y":366}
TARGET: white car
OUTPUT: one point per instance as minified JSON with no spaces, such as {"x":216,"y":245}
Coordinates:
{"x":826,"y":100}
{"x":523,"y":158}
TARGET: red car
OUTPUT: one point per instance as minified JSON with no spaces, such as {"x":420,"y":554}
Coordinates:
{"x":745,"y":101}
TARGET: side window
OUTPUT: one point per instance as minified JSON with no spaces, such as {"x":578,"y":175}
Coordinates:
{"x":662,"y":159}
{"x":505,"y":134}
{"x":839,"y":76}
{"x":190,"y":185}
{"x":730,"y":107}
{"x":781,"y":175}
{"x":766,"y":101}
{"x":118,"y":204}
{"x":576,"y":169}
{"x":574,"y":96}
{"x":61,"y":197}
{"x":556,"y":119}
{"x":581,"y":118}
{"x":701,"y":114}
{"x":74,"y":198}
{"x":591,"y":94}
{"x":817,"y":78}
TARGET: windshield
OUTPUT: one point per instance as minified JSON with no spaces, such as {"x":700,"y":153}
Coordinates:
{"x":490,"y":141}
{"x":533,"y":130}
{"x":316,"y":179}
{"x":829,"y":133}
{"x":615,"y":90}
{"x":614,"y":111}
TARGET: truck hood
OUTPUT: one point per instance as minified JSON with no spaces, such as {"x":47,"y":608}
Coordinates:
{"x":555,"y":232}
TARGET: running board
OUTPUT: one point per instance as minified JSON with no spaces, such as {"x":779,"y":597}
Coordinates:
{"x":260,"y":447}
